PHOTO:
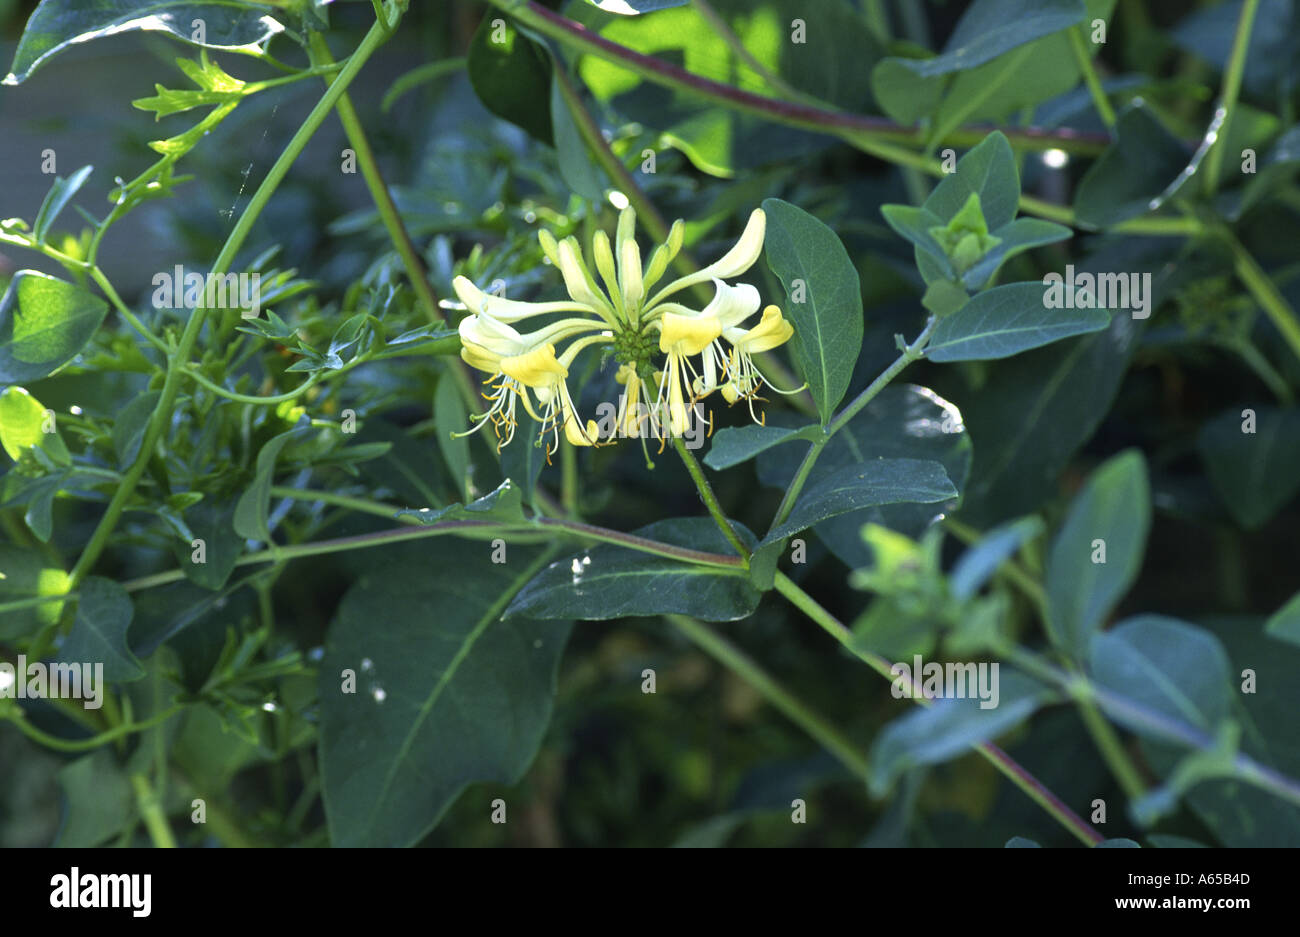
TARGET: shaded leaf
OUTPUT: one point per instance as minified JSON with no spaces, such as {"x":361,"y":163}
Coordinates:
{"x":1098,"y":551}
{"x":867,"y":484}
{"x":1255,"y":473}
{"x":609,"y":581}
{"x":98,"y":633}
{"x":447,"y":693}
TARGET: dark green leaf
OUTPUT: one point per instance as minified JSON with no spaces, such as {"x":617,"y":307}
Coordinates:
{"x":952,"y":725}
{"x":1166,"y":666}
{"x":212,"y":521}
{"x":616,"y":582}
{"x":1285,"y":622}
{"x":1033,"y":413}
{"x":1005,"y":321}
{"x":100,"y":802}
{"x":503,"y":505}
{"x":978,"y":564}
{"x":1145,"y":160}
{"x":130,"y":425}
{"x":98,"y":633}
{"x":903,"y":422}
{"x":1257,"y":472}
{"x":57,"y":24}
{"x":734,"y":445}
{"x":449,"y":417}
{"x":989,"y":28}
{"x":250,"y":520}
{"x":511,"y":75}
{"x":824,"y":305}
{"x":989,"y":171}
{"x":447,"y":693}
{"x":867,"y":484}
{"x":579,"y":172}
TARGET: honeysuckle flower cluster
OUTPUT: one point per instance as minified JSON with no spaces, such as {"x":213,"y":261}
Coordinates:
{"x":705,"y":349}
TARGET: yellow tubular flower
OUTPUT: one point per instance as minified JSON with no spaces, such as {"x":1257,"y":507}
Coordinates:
{"x":578,"y":281}
{"x":536,"y":368}
{"x":743,"y":377}
{"x":771,"y":331}
{"x":604,"y":255}
{"x":735,"y":262}
{"x":507,"y":310}
{"x":704,"y":349}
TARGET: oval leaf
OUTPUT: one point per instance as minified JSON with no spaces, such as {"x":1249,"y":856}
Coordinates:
{"x":824,"y":299}
{"x":44,"y":322}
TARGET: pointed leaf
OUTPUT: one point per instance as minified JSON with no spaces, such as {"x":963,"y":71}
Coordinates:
{"x":1099,"y":550}
{"x":44,"y":322}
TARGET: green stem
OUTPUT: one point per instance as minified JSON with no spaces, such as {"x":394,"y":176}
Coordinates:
{"x":155,"y":820}
{"x":791,"y":706}
{"x":96,"y":741}
{"x":569,"y":480}
{"x":1112,"y":750}
{"x":162,"y":414}
{"x":1265,"y":292}
{"x":910,"y":354}
{"x":124,"y":311}
{"x":319,"y":53}
{"x":1128,"y":712}
{"x":710,"y":499}
{"x":544,"y":528}
{"x":1231,"y":88}
{"x":1036,"y":790}
{"x":1244,"y":348}
{"x":1083,"y":57}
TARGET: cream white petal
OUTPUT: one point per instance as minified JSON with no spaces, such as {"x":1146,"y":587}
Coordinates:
{"x":733,"y":263}
{"x":507,"y":310}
